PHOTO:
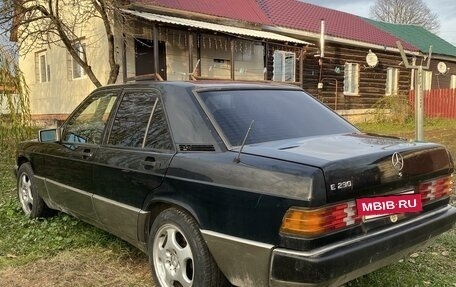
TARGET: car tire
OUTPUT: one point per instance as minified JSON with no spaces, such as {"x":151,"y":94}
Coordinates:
{"x":178,"y":254}
{"x":32,"y":204}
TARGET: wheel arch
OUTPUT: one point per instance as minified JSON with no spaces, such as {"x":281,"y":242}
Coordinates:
{"x":155,"y":207}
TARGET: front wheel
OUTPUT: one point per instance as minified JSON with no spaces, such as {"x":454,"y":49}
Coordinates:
{"x":179,"y":256}
{"x":32,"y":204}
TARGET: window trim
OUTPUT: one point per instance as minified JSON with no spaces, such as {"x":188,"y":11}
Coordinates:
{"x":75,"y":65}
{"x":39,"y":68}
{"x":283,"y":55}
{"x":351,"y":81}
{"x":427,"y":79}
{"x":453,"y":81}
{"x":392,"y":81}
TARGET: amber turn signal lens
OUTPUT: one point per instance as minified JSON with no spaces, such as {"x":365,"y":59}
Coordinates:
{"x":315,"y":222}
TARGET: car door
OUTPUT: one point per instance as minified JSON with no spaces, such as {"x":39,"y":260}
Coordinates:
{"x":69,"y":166}
{"x":133,"y":161}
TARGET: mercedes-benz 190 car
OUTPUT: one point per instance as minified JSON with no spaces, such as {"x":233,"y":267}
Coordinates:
{"x":243,"y":184}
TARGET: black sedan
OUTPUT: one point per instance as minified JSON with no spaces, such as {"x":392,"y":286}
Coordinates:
{"x":238,"y":184}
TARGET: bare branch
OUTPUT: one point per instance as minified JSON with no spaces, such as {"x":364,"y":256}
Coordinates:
{"x":414,"y":12}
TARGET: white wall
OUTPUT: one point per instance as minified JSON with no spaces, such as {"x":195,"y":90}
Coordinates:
{"x":62,"y":94}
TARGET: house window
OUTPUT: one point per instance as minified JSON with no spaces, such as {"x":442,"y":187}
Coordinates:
{"x":427,"y":80}
{"x":77,"y":70}
{"x":453,"y":82}
{"x":392,"y":81}
{"x":43,"y":72}
{"x":351,"y":79}
{"x":284,"y":66}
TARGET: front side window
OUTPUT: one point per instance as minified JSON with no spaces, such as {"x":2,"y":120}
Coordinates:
{"x":76,"y":70}
{"x":392,"y":80}
{"x":284,"y":66}
{"x":277,"y":115}
{"x":351,"y":79}
{"x":88,"y":123}
{"x":42,"y":69}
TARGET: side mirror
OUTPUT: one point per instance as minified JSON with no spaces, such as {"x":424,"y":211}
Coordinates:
{"x":49,"y":135}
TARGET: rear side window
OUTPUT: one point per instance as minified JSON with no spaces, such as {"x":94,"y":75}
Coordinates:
{"x":277,"y":115}
{"x":132,"y":118}
{"x":140,"y":122}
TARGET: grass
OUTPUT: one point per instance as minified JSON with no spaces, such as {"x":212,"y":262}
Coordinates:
{"x":63,"y":251}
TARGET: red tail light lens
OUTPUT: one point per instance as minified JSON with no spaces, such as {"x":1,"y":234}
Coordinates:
{"x":436,"y":188}
{"x":314,"y":222}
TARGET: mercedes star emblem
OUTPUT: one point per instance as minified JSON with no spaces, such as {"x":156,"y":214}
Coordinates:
{"x":398,"y":161}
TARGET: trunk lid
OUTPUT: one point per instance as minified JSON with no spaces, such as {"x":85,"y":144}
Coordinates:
{"x":359,"y":165}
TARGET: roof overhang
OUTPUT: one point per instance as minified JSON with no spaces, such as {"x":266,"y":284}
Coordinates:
{"x":307,"y":34}
{"x":237,"y":31}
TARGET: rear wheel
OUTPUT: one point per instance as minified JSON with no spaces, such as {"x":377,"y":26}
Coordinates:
{"x":179,"y":256}
{"x":32,"y":204}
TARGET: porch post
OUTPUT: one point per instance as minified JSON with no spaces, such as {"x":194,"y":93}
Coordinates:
{"x":156,"y":66}
{"x":301,"y":68}
{"x":124,"y":58}
{"x":232,"y":59}
{"x":190,"y":55}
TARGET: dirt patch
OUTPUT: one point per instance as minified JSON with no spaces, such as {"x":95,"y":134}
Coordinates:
{"x":80,"y":268}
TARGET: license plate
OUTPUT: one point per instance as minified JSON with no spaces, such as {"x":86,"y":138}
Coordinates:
{"x":373,"y":207}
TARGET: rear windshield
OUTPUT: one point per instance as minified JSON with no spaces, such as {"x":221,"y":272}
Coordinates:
{"x":277,"y":115}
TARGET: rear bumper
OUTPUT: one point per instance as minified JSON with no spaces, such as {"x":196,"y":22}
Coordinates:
{"x":333,"y":265}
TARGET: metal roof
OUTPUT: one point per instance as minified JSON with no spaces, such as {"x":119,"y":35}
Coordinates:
{"x":216,"y":27}
{"x":307,"y":17}
{"x":418,"y":36}
{"x":241,"y":10}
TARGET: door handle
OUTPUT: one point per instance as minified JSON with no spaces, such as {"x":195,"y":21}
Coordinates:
{"x":86,"y":153}
{"x":149,"y":162}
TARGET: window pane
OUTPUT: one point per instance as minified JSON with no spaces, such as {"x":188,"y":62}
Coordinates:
{"x":277,"y":115}
{"x":131,"y":120}
{"x":43,"y":66}
{"x":158,"y":135}
{"x":278,"y":66}
{"x":453,"y":82}
{"x":87,"y":125}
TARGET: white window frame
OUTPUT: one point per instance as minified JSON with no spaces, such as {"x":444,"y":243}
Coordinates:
{"x":392,"y":81}
{"x":43,"y":72}
{"x":284,"y":67}
{"x":453,"y":82}
{"x":351,"y":79}
{"x":427,"y":80}
{"x":77,"y":72}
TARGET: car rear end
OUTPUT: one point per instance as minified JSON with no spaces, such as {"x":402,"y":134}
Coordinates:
{"x":376,"y":213}
{"x":382,"y":198}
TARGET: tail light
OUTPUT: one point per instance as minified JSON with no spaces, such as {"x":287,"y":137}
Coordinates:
{"x":436,"y":189}
{"x":314,"y":222}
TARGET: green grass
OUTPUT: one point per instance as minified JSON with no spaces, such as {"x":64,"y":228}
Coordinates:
{"x":23,"y":240}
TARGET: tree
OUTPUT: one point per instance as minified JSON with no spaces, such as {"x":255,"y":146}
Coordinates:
{"x":15,"y":124}
{"x":405,"y":12}
{"x":46,"y":22}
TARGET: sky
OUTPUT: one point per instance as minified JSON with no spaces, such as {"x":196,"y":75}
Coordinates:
{"x":445,"y":9}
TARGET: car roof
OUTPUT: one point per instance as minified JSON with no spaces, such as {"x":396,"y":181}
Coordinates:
{"x":208,"y":84}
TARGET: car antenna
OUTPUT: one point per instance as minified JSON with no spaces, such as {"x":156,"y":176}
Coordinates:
{"x":238,"y":158}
